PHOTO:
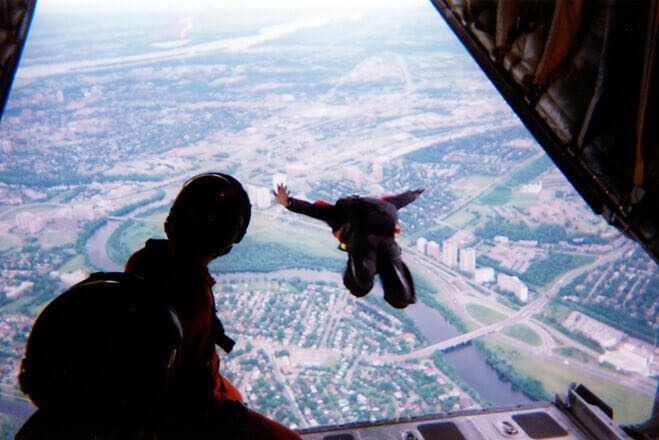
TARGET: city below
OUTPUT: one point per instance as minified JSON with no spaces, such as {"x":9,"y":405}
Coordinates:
{"x":522,"y":289}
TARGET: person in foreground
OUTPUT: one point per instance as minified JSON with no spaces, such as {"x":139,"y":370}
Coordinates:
{"x":98,"y":362}
{"x":365,"y":228}
{"x":210,"y":214}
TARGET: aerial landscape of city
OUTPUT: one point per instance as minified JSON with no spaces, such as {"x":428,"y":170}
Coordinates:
{"x":522,"y":289}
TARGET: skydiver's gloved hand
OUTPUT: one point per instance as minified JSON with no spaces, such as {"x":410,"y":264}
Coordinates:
{"x":417,"y":192}
{"x":281,"y":195}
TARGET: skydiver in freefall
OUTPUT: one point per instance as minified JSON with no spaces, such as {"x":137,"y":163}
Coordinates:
{"x":365,"y":228}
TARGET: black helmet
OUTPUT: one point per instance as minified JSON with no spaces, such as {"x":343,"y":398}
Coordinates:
{"x":210,"y":214}
{"x":108,"y":344}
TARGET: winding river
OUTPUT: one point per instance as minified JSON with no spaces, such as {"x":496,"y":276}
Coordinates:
{"x":96,"y":247}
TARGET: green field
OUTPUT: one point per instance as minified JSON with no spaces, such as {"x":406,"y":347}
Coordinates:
{"x":421,"y":282}
{"x":526,"y":174}
{"x":28,"y":304}
{"x":77,"y":262}
{"x":267,"y":246}
{"x":503,"y":193}
{"x":471,"y":186}
{"x":156,"y":214}
{"x":10,"y":213}
{"x":314,"y":241}
{"x":51,"y":239}
{"x":525,"y":334}
{"x":272,"y":246}
{"x":575,"y":353}
{"x":523,"y":200}
{"x":557,"y":311}
{"x":8,"y":241}
{"x":484,"y":314}
{"x":629,"y":405}
{"x":129,"y":237}
{"x":499,"y":195}
{"x":460,"y":219}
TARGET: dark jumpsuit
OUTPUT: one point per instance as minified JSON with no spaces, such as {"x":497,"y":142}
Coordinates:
{"x":367,"y":227}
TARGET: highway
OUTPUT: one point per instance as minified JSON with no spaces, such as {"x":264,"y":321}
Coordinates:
{"x":466,"y":337}
{"x":446,"y":281}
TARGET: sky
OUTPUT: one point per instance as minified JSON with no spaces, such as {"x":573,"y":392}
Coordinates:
{"x":129,"y":6}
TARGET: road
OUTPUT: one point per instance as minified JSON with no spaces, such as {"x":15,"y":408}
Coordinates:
{"x":466,"y":337}
{"x":335,"y":314}
{"x":287,"y":389}
{"x":447,"y":283}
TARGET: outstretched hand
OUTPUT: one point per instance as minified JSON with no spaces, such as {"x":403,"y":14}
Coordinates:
{"x":417,"y":192}
{"x":281,"y":195}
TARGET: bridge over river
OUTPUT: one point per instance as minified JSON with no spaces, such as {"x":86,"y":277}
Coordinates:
{"x":456,"y":341}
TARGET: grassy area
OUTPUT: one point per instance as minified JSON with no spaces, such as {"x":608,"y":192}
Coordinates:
{"x":68,"y":195}
{"x":129,"y":237}
{"x":531,"y":171}
{"x":576,"y":354}
{"x":557,"y":311}
{"x":503,"y":194}
{"x":484,"y":314}
{"x":51,"y":239}
{"x":272,"y":246}
{"x":471,"y":185}
{"x":27,"y":304}
{"x":315,"y":241}
{"x":10,"y":213}
{"x":267,"y":246}
{"x":421,"y":282}
{"x":463,"y":325}
{"x":157,"y":214}
{"x":499,"y":195}
{"x":525,"y":334}
{"x":629,"y":405}
{"x":461,"y":218}
{"x":331,"y":362}
{"x":523,"y":200}
{"x":77,"y":262}
{"x":8,"y":241}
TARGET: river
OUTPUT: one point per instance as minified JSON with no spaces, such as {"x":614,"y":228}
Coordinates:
{"x":96,"y":247}
{"x":469,"y":363}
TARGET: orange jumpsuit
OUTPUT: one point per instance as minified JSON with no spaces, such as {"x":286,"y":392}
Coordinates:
{"x":187,"y":288}
{"x":196,"y":382}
